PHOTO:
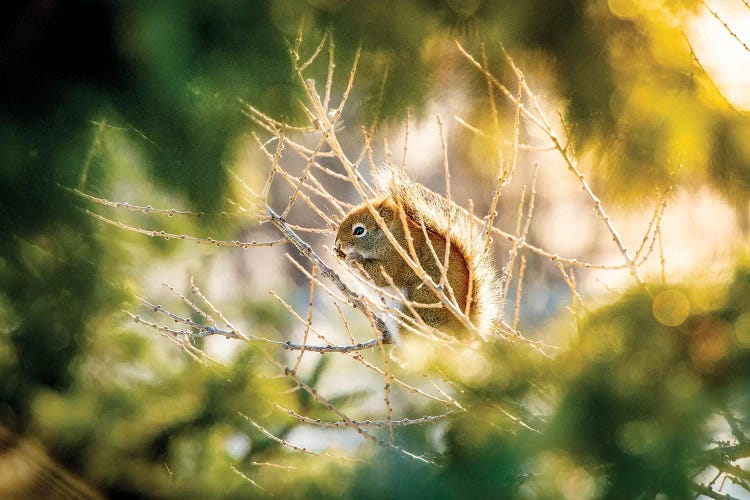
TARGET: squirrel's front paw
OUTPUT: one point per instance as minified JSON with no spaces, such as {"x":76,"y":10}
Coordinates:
{"x":348,"y":257}
{"x":354,"y":258}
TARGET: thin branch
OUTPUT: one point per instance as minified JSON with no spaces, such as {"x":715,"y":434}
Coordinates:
{"x":269,"y":464}
{"x":326,"y":271}
{"x":274,"y":163}
{"x":540,"y":121}
{"x":726,"y":26}
{"x":404,"y":422}
{"x":447,"y":173}
{"x":507,"y":270}
{"x":191,"y":304}
{"x":519,"y":284}
{"x":734,"y":424}
{"x":290,"y":180}
{"x":287,"y":444}
{"x":484,"y":135}
{"x":349,"y":86}
{"x":495,"y":118}
{"x":346,"y":323}
{"x":303,"y":176}
{"x":329,"y":77}
{"x":705,"y":490}
{"x":100,"y":127}
{"x":406,"y":139}
{"x":572,"y":287}
{"x":245,"y":477}
{"x":147,"y":209}
{"x":309,"y":318}
{"x":314,"y":54}
{"x":654,"y":221}
{"x":171,"y":236}
{"x":349,"y":422}
{"x":197,"y":291}
{"x":387,"y":386}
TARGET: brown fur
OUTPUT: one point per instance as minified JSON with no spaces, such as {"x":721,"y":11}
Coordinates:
{"x":470,"y":270}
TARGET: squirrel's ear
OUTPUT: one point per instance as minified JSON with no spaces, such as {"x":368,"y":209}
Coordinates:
{"x":385,"y":211}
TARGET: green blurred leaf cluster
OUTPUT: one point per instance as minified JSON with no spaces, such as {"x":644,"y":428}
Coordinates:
{"x":629,"y":410}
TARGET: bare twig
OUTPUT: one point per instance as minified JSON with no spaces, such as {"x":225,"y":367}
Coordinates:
{"x":309,"y":318}
{"x":326,"y":271}
{"x":171,"y":236}
{"x":404,"y":422}
{"x":287,"y":444}
{"x":725,"y":25}
{"x":539,"y":120}
{"x":245,"y":477}
{"x":519,"y":285}
{"x":705,"y":490}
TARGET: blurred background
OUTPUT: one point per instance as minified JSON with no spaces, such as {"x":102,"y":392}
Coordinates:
{"x":141,"y":102}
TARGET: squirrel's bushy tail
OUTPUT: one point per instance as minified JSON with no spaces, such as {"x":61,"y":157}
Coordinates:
{"x":420,"y":203}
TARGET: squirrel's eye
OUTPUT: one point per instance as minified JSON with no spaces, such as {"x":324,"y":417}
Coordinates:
{"x":359,"y":230}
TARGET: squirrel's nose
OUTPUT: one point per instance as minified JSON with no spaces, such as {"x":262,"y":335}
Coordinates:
{"x":337,"y":249}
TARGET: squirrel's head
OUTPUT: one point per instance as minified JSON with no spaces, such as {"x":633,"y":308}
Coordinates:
{"x":359,"y":237}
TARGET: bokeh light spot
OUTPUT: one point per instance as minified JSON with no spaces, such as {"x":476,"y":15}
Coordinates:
{"x":577,"y":484}
{"x":470,"y":366}
{"x":742,"y":330}
{"x":671,"y":307}
{"x":566,"y":478}
{"x":709,"y":344}
{"x":636,"y":438}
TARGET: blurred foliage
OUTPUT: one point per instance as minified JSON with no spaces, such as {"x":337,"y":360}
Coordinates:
{"x":633,"y":406}
{"x":631,"y":416}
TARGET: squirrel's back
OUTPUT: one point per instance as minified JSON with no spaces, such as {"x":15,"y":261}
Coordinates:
{"x":421,"y":204}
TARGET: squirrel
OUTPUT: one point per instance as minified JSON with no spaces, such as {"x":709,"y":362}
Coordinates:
{"x":471,"y":272}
